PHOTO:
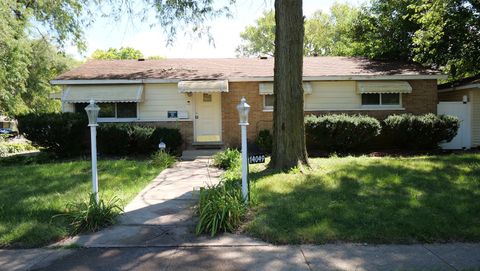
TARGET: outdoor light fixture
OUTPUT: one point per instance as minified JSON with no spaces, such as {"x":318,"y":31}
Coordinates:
{"x":92,"y":113}
{"x":162,"y":146}
{"x":243,"y":110}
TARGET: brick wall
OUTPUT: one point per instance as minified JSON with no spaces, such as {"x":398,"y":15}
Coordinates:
{"x":422,"y":100}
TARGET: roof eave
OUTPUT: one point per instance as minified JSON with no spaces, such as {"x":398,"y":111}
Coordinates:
{"x":250,"y":79}
{"x":467,"y":86}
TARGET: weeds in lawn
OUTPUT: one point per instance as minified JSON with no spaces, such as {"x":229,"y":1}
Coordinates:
{"x":162,"y":159}
{"x":90,"y":216}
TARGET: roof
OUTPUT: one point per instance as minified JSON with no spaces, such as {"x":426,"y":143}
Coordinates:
{"x":235,"y":68}
{"x":473,"y":80}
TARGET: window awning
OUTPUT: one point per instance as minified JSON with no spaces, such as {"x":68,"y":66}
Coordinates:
{"x":364,"y":87}
{"x":103,"y":93}
{"x":267,"y":88}
{"x":203,"y":86}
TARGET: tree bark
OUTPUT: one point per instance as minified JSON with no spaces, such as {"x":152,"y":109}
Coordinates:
{"x":288,"y":120}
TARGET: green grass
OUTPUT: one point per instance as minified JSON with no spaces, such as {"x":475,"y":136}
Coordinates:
{"x":366,"y":199}
{"x":31,"y":194}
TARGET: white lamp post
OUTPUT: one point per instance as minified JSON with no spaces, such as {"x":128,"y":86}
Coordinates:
{"x":162,"y":146}
{"x":243,"y":110}
{"x":92,"y":113}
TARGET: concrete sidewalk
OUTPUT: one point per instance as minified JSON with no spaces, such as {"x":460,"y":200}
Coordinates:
{"x":156,"y":232}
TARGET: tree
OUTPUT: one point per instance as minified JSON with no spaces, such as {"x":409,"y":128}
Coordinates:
{"x":113,"y":53}
{"x":288,"y":125}
{"x":442,"y":34}
{"x":324,"y":34}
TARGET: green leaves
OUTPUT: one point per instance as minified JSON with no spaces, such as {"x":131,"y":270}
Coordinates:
{"x":113,"y":53}
{"x":325,"y":34}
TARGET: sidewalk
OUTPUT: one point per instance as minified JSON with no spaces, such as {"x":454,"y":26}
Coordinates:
{"x":156,"y":232}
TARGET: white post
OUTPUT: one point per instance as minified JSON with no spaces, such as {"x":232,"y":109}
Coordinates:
{"x":244,"y":163}
{"x":93,"y":135}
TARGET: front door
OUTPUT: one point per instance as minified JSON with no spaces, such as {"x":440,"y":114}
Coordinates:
{"x":208,"y":117}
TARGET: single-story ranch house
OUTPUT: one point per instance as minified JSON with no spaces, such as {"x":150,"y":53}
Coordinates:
{"x":199,"y":96}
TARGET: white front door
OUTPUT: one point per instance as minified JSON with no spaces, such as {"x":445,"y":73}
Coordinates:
{"x":208,"y":117}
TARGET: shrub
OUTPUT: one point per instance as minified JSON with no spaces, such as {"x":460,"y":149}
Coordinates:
{"x":420,"y":132}
{"x":122,"y":139}
{"x":220,"y":208}
{"x":162,"y":159}
{"x":90,"y":216}
{"x":61,"y":133}
{"x":340,"y":132}
{"x":171,"y":137}
{"x":264,"y":141}
{"x":9,"y":148}
{"x":227,"y":159}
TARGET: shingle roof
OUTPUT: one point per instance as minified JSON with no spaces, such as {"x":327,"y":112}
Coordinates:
{"x":465,"y":81}
{"x":228,"y":68}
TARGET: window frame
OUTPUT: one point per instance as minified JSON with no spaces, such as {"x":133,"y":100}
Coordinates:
{"x":381,"y":105}
{"x":267,"y":108}
{"x":117,"y":119}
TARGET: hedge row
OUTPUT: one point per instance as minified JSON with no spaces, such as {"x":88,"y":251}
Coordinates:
{"x":350,"y":133}
{"x":67,"y":134}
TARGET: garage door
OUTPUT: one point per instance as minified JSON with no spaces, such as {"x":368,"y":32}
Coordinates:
{"x":462,"y":111}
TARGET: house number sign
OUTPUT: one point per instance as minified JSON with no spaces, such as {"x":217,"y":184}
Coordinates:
{"x":256,"y":159}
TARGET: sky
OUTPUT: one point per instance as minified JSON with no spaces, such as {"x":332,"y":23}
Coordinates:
{"x":105,"y":33}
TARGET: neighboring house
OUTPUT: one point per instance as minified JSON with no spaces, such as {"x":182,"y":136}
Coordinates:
{"x":6,"y":122}
{"x":462,"y":98}
{"x":199,"y":96}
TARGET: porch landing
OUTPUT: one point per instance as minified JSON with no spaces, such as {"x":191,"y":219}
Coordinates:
{"x":192,"y":154}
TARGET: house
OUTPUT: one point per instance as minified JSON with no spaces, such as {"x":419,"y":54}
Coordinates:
{"x":199,"y":96}
{"x":6,"y":122}
{"x":462,"y":99}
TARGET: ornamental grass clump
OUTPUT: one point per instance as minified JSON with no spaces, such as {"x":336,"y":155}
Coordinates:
{"x":91,"y":216}
{"x":220,"y":208}
{"x":162,"y":159}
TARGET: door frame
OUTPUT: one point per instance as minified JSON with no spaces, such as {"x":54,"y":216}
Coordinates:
{"x":220,"y":124}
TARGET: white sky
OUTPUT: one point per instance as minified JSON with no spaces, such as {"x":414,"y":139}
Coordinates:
{"x":105,"y":33}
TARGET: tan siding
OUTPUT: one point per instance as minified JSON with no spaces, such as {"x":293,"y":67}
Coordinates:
{"x":161,"y":98}
{"x":453,"y":96}
{"x":333,"y":95}
{"x":475,"y":118}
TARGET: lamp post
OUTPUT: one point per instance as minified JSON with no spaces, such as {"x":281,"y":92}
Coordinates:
{"x":92,"y":113}
{"x":243,"y":110}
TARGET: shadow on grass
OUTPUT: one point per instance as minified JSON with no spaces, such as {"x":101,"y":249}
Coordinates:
{"x":419,"y":199}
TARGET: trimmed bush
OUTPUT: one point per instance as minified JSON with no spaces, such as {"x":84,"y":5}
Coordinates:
{"x":60,"y":133}
{"x":10,"y":147}
{"x":227,"y":159}
{"x":340,"y":132}
{"x":423,"y":132}
{"x":264,"y":141}
{"x":122,"y":139}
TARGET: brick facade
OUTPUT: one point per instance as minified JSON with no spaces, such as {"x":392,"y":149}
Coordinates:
{"x":422,"y":100}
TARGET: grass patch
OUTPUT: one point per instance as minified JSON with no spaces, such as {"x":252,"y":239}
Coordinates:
{"x":33,"y":193}
{"x":367,"y":199}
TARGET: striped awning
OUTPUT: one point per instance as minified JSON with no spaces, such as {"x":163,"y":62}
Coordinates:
{"x":103,"y":93}
{"x":267,"y":88}
{"x":204,"y":86}
{"x":365,"y":87}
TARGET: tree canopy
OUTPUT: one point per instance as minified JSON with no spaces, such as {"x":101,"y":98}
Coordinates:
{"x":325,"y":34}
{"x":443,"y":34}
{"x":113,"y":53}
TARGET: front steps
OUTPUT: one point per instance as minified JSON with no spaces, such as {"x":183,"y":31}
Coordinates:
{"x":192,"y":154}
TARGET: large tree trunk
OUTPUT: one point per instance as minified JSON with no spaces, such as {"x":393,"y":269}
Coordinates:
{"x":288,"y":125}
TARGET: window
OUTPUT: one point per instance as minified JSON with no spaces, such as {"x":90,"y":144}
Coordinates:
{"x":207,"y":97}
{"x":112,"y":110}
{"x":381,"y":99}
{"x":268,"y":102}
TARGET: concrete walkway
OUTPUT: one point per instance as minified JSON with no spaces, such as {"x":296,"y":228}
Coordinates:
{"x":156,"y":232}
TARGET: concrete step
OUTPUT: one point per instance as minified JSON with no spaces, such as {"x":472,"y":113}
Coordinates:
{"x":190,"y":155}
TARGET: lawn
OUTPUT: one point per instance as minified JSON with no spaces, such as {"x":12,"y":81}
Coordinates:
{"x":367,"y":199}
{"x":32,"y":193}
